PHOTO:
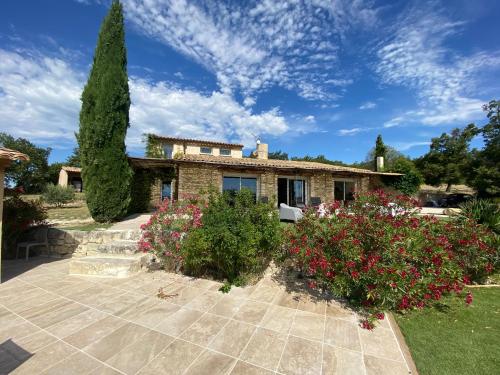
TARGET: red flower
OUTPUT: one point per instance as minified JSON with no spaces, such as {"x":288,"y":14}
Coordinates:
{"x":468,"y":298}
{"x":367,"y":325}
{"x":380,"y":316}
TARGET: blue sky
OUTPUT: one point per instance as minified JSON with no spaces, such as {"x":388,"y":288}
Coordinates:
{"x":307,"y":77}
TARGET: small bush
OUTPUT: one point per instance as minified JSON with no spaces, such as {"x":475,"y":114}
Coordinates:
{"x":484,"y":211}
{"x":228,"y":237}
{"x":58,"y":195}
{"x":381,"y":256}
{"x":236,"y":239}
{"x":18,"y":216}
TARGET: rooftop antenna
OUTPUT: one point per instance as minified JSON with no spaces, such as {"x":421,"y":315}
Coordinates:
{"x":257,"y":138}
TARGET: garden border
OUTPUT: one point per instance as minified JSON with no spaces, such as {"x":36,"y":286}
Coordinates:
{"x":402,"y":344}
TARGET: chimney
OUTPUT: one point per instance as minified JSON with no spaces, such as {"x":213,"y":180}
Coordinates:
{"x":261,"y":150}
{"x":380,"y":164}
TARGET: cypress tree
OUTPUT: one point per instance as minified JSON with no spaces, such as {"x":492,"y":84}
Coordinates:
{"x":104,"y":119}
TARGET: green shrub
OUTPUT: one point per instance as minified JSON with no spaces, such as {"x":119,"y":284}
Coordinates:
{"x":236,"y":239}
{"x":18,"y":216}
{"x":228,"y":237}
{"x":484,"y":211}
{"x":58,"y":195}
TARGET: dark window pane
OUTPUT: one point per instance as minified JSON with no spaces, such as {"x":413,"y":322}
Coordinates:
{"x":249,"y":183}
{"x":339,"y":190}
{"x":282,"y":191}
{"x":231,"y":184}
{"x":296,"y":192}
{"x":168,"y":150}
{"x":166,"y":190}
{"x":225,"y":152}
{"x":349,"y":190}
{"x":206,"y":150}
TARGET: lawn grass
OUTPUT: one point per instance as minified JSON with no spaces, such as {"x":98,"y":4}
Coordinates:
{"x":80,"y":212}
{"x":455,"y":339}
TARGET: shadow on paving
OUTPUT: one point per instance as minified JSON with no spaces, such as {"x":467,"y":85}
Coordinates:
{"x":16,"y":267}
{"x":297,"y":284}
{"x":12,"y":356}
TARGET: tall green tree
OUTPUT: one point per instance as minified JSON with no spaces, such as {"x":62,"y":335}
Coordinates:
{"x":31,"y":175}
{"x":380,"y":147}
{"x":448,"y":158}
{"x":484,"y":169}
{"x":104,"y":119}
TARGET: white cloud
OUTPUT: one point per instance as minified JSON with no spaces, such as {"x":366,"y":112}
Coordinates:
{"x":417,"y":56}
{"x":256,"y":45}
{"x":394,"y":122}
{"x":158,"y":108}
{"x":39,"y":97}
{"x":40,"y":100}
{"x":352,"y":131}
{"x":405,"y":146}
{"x":368,"y":105}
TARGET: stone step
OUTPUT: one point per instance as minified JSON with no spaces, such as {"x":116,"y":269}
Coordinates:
{"x":125,"y":247}
{"x":107,"y":266}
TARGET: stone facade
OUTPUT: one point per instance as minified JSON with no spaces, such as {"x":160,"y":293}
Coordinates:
{"x":64,"y":243}
{"x":195,"y":178}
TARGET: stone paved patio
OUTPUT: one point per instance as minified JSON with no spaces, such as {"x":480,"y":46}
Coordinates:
{"x":53,"y":323}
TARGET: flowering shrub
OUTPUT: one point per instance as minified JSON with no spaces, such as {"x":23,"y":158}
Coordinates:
{"x":18,"y":216}
{"x":227,"y":237}
{"x":382,"y":256}
{"x":162,"y":235}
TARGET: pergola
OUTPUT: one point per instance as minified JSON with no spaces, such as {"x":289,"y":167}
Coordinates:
{"x":7,"y":156}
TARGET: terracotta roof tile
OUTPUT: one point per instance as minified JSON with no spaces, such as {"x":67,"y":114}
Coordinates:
{"x":71,"y":169}
{"x":252,"y":163}
{"x":7,"y":153}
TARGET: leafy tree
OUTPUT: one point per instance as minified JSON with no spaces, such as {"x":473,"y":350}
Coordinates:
{"x":409,"y":183}
{"x":319,"y":159}
{"x":278,"y":155}
{"x":104,"y":119}
{"x":53,"y":174}
{"x":74,"y":159}
{"x":390,"y":156}
{"x":484,"y":169}
{"x":448,"y":157}
{"x":32,"y":175}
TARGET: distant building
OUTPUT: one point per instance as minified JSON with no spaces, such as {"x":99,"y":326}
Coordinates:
{"x":71,"y":176}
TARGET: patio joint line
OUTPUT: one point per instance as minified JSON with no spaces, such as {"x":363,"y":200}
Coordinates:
{"x":399,"y":346}
{"x":286,"y":342}
{"x":323,"y":342}
{"x":213,"y":339}
{"x":361,"y":347}
{"x":64,"y":342}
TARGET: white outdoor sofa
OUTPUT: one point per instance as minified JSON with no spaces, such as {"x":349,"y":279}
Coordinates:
{"x":290,"y":213}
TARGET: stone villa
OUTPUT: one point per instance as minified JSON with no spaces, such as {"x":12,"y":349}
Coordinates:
{"x":195,"y":165}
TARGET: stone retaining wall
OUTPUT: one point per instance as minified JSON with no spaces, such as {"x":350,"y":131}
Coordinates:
{"x":64,"y":243}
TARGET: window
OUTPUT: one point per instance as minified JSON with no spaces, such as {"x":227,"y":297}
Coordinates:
{"x":225,"y":152}
{"x":168,"y":151}
{"x":292,"y":192}
{"x":206,"y":150}
{"x":166,"y":190}
{"x":344,"y":190}
{"x":232,"y":185}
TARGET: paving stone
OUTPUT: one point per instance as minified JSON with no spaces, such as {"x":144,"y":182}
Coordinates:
{"x":175,"y":359}
{"x":301,"y":357}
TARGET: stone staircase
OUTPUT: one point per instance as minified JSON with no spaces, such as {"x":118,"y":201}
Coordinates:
{"x":119,"y":258}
